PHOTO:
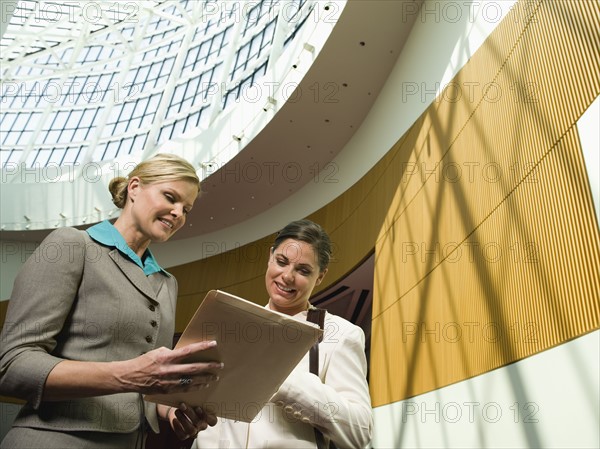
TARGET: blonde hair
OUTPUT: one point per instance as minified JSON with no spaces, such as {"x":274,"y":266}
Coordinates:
{"x":160,"y":168}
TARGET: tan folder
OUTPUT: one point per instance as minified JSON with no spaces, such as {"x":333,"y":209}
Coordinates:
{"x":258,"y":346}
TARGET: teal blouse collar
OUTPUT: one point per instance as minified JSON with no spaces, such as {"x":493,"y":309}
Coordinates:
{"x":106,"y":234}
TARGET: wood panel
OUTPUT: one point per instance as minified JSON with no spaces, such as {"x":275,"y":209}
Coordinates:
{"x":490,"y":250}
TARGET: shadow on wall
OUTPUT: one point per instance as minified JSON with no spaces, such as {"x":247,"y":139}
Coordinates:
{"x":487,"y":253}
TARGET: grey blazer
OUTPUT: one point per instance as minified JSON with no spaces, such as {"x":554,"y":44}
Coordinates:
{"x":75,"y":299}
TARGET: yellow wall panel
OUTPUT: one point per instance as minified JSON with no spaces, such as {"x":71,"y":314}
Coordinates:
{"x":493,"y":248}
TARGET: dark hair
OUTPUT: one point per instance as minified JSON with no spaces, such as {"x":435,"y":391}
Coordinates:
{"x":311,"y":233}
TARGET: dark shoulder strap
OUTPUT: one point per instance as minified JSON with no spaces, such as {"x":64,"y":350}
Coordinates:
{"x":316,"y":316}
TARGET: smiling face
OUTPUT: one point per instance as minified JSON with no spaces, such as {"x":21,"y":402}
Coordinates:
{"x":292,"y":274}
{"x":155,"y":211}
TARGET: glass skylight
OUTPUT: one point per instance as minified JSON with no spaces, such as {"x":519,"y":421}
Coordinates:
{"x":85,"y":81}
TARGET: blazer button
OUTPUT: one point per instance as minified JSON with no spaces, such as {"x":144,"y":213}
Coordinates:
{"x":153,"y":323}
{"x":152,"y":308}
{"x":148,"y":338}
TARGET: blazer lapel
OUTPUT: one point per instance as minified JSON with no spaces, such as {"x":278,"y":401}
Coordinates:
{"x":134,"y":273}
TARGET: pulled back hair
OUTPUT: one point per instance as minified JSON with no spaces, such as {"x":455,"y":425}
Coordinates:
{"x":160,"y":168}
{"x":311,"y":233}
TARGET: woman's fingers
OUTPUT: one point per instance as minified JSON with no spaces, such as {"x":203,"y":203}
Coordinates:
{"x":193,"y":349}
{"x":194,"y":369}
{"x":189,"y":421}
{"x":210,"y":419}
{"x":164,"y":370}
{"x":178,"y":428}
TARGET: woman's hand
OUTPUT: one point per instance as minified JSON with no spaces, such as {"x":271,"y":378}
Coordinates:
{"x":163,"y":370}
{"x":159,"y":371}
{"x":187,"y":421}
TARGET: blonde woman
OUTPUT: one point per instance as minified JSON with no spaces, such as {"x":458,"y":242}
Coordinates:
{"x":91,"y":317}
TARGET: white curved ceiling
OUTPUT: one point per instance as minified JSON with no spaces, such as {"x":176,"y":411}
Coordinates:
{"x":302,"y":137}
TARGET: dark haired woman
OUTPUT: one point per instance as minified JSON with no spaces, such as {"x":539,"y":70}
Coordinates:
{"x":336,"y":402}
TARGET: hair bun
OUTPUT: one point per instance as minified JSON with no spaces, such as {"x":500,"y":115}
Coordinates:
{"x":118,"y":190}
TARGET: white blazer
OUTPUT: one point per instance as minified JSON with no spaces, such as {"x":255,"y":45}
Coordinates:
{"x":337,"y":401}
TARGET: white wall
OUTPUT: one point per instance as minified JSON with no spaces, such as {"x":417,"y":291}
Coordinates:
{"x":549,"y":400}
{"x":589,"y":134}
